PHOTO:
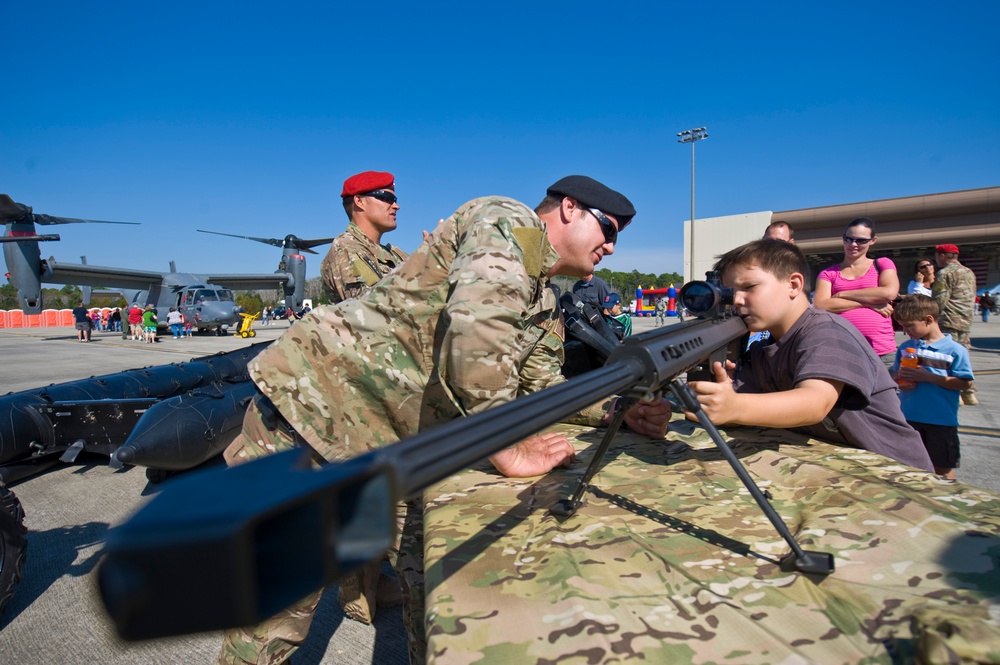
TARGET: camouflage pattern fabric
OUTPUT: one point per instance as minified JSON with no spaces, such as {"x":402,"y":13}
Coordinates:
{"x":354,"y":263}
{"x":351,"y":267}
{"x":670,"y":560}
{"x":464,"y":324}
{"x":960,"y":336}
{"x":955,"y":291}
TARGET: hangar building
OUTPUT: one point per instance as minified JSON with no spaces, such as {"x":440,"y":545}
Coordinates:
{"x":908,"y":228}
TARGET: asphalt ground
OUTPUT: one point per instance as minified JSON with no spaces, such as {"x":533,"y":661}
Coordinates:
{"x":55,"y":614}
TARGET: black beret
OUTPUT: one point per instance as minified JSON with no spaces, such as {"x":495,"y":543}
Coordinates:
{"x":593,"y":194}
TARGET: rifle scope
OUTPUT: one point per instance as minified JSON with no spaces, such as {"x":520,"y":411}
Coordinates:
{"x":705,"y":298}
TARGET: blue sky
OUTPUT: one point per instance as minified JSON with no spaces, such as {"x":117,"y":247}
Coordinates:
{"x":245,"y":117}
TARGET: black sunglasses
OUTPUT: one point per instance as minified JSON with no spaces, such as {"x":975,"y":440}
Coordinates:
{"x":384,"y":195}
{"x":860,"y":241}
{"x":923,"y":265}
{"x":610,"y":231}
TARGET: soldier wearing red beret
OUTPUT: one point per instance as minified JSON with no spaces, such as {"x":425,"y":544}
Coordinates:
{"x":357,"y":259}
{"x":955,"y":292}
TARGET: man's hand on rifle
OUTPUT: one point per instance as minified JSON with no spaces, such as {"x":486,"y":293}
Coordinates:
{"x":534,"y":456}
{"x":649,"y":418}
{"x":718,"y":399}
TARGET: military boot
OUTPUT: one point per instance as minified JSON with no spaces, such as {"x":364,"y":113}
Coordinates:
{"x":357,"y":592}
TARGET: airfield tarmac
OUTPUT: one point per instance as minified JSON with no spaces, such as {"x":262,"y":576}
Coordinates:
{"x":56,"y":615}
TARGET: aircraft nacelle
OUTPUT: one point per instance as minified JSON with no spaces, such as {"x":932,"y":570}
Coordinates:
{"x":26,"y":269}
{"x":294,"y":289}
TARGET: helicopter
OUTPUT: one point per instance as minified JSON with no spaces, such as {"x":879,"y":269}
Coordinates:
{"x":207,"y":298}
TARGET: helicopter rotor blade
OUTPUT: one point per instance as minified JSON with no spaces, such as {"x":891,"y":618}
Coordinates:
{"x":11,"y":211}
{"x":267,"y":241}
{"x":50,"y":219}
{"x":306,"y":244}
{"x":291,"y":241}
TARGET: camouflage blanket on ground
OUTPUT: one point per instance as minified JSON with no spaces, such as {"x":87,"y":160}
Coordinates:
{"x":671,"y":561}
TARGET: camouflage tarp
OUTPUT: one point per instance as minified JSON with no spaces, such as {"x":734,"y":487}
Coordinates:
{"x":671,"y":561}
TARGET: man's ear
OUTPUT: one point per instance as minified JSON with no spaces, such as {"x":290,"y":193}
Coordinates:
{"x":568,"y":205}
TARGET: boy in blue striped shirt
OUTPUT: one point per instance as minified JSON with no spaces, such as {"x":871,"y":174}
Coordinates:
{"x":929,"y":396}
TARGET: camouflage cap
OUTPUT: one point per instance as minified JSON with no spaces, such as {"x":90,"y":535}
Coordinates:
{"x":593,"y":194}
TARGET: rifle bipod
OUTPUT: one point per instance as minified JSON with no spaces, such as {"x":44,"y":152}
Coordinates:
{"x":819,"y":563}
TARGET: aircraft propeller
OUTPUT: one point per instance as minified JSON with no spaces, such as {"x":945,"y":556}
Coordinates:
{"x":290,"y":241}
{"x":10,"y":211}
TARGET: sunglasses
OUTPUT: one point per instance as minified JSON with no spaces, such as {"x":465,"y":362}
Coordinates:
{"x":610,"y":231}
{"x":383,"y":195}
{"x":858,"y":241}
{"x":923,"y":265}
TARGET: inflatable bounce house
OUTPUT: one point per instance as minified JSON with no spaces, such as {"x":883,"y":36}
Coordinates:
{"x":645,"y":300}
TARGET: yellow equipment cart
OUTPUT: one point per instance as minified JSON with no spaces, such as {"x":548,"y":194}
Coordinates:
{"x":245,"y":328}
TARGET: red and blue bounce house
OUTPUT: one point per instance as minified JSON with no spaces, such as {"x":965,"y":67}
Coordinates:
{"x":645,"y":300}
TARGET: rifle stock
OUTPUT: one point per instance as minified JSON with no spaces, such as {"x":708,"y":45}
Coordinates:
{"x":213,"y":551}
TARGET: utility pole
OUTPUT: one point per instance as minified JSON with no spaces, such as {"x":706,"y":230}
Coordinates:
{"x":692,"y":136}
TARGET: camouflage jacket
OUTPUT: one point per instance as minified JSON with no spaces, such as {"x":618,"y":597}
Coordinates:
{"x":354,"y":263}
{"x":955,"y":292}
{"x":465,"y":323}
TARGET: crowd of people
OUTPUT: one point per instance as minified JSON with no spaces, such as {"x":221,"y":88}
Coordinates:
{"x":88,"y":320}
{"x":467,"y":322}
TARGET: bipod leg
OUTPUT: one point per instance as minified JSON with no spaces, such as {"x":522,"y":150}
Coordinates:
{"x":819,"y":563}
{"x":566,"y":507}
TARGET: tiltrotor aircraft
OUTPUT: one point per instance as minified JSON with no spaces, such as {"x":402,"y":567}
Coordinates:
{"x":206,"y":298}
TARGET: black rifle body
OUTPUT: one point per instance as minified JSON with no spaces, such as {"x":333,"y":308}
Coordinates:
{"x":230,"y":547}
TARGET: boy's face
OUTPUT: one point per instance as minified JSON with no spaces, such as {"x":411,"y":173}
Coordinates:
{"x":919,"y":329}
{"x":764,"y":301}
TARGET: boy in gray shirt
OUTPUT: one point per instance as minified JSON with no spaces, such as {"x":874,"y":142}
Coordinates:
{"x":815,"y":375}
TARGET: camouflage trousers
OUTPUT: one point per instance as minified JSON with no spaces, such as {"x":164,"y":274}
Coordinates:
{"x":963,"y":338}
{"x":274,"y":640}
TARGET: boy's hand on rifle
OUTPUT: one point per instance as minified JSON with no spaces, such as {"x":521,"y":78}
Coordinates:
{"x":534,"y":456}
{"x":717,"y":398}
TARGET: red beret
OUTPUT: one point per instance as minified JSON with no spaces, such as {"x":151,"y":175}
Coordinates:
{"x":947,"y":249}
{"x":367,"y":182}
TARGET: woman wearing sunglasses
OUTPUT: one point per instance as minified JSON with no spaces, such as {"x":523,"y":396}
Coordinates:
{"x":923,"y":278}
{"x":862,"y":289}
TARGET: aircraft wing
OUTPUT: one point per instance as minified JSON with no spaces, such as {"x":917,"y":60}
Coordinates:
{"x":87,"y":275}
{"x":249,"y":282}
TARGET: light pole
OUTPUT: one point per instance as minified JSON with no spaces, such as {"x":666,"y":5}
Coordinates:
{"x":691,"y":136}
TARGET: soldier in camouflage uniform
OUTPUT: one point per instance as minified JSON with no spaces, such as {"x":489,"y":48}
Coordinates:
{"x":466,"y":323}
{"x":356,"y":259}
{"x":955,"y":291}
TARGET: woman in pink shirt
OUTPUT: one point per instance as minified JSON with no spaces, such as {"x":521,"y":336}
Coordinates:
{"x":861,"y":291}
